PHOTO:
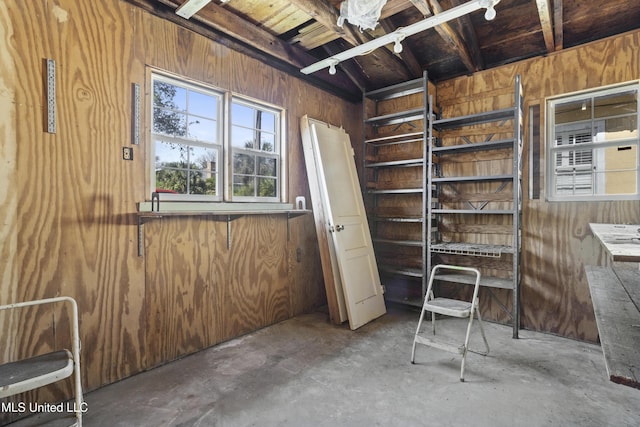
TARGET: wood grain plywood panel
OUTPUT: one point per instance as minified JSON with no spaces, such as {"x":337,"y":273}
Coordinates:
{"x":185,"y":279}
{"x":75,"y":231}
{"x":69,"y":218}
{"x":257,"y":292}
{"x":555,"y":295}
{"x":8,"y":154}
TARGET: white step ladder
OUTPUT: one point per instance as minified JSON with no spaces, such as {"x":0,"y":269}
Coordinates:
{"x":453,"y":308}
{"x":28,"y":374}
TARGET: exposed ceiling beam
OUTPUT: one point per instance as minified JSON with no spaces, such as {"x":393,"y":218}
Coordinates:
{"x":470,"y":38}
{"x":544,"y":12}
{"x":225,"y":28}
{"x":407,"y":55}
{"x":327,"y":15}
{"x":392,"y":7}
{"x":226,"y":22}
{"x":423,"y":7}
{"x":557,"y":21}
{"x":446,"y":31}
{"x":323,"y":12}
{"x":351,"y":68}
{"x":191,"y":7}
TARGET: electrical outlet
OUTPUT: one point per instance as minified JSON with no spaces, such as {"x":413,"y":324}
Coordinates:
{"x":127,"y":153}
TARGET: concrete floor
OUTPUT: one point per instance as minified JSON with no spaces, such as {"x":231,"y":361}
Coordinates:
{"x":307,"y":372}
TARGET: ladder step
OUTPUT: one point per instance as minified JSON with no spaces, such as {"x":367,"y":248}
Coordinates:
{"x":440,"y":345}
{"x":449,"y":307}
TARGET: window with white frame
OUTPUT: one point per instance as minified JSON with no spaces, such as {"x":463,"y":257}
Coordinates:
{"x":191,"y":149}
{"x":593,"y":145}
{"x":255,"y":146}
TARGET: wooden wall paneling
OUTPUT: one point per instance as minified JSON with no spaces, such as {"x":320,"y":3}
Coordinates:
{"x":69,"y":222}
{"x":306,"y":288}
{"x":257,"y":293}
{"x":70,"y":218}
{"x":186,"y":275}
{"x":9,"y":268}
{"x":556,"y":240}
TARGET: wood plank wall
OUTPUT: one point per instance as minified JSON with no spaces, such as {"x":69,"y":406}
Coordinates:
{"x":556,"y":239}
{"x":68,"y":200}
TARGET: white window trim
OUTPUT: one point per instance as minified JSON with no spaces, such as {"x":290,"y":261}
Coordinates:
{"x":279,"y":152}
{"x":224,"y":183}
{"x":551,"y":195}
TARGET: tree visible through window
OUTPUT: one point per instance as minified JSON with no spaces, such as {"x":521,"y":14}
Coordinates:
{"x":190,"y":153}
{"x":254,"y":132}
{"x":186,"y":138}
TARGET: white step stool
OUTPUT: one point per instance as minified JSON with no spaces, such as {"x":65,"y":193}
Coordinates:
{"x":28,"y":374}
{"x":453,"y":308}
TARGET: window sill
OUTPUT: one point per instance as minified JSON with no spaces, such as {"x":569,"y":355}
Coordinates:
{"x":149,"y":210}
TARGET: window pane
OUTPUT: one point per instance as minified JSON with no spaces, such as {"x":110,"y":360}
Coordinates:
{"x":203,"y":105}
{"x":574,"y":182}
{"x":169,"y":122}
{"x":267,"y":166}
{"x":618,"y":128}
{"x":572,"y":137}
{"x":168,"y":96}
{"x":170,"y":153}
{"x":584,"y":160}
{"x":184,"y":169}
{"x":186,"y":138}
{"x":206,"y":161}
{"x":268,"y":121}
{"x":242,"y":115}
{"x":243,"y":185}
{"x":616,"y":169}
{"x":202,"y":129}
{"x":244,"y":164}
{"x":267,"y":142}
{"x":267,"y":187}
{"x":242,"y":137}
{"x":573,"y":111}
{"x":171,"y":180}
{"x":616,"y":104}
{"x":602,"y":171}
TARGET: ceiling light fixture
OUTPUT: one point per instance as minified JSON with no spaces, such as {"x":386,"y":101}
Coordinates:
{"x":490,"y":13}
{"x":397,"y":36}
{"x":191,"y":7}
{"x":332,"y":67}
{"x":397,"y":47}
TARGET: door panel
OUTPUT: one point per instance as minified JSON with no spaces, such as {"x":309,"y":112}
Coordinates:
{"x":347,"y":221}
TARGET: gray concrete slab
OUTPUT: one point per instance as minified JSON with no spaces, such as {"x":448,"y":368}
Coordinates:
{"x":307,"y":372}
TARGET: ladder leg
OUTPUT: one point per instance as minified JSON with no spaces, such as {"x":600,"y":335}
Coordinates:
{"x":413,"y":348}
{"x":484,"y":337}
{"x":466,"y":344}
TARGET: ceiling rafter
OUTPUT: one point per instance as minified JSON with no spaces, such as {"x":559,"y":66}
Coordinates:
{"x":470,"y":38}
{"x":544,"y":12}
{"x":224,"y":27}
{"x":407,"y":55}
{"x":323,"y":12}
{"x":446,"y":31}
{"x":222,"y":20}
{"x":327,"y":15}
{"x":557,"y":20}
